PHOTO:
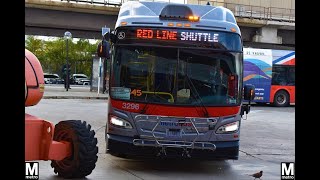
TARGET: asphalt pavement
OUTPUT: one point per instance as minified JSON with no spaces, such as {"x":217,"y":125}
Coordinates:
{"x":267,"y":139}
{"x":57,"y":91}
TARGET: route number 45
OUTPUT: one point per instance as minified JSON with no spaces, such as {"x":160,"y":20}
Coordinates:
{"x":136,"y":92}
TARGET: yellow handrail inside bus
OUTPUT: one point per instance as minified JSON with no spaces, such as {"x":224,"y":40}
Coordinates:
{"x":161,"y":93}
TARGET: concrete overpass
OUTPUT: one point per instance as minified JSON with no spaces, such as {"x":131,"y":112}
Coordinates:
{"x":84,"y":20}
{"x":53,"y":18}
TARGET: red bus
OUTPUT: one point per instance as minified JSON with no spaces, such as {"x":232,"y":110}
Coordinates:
{"x":176,"y":80}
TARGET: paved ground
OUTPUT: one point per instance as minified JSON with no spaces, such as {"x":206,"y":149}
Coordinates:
{"x":267,"y":138}
{"x":57,"y":91}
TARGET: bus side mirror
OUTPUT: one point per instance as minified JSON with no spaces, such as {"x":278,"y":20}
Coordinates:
{"x":249,"y":92}
{"x":110,"y":36}
{"x":103,"y":49}
{"x":113,"y":37}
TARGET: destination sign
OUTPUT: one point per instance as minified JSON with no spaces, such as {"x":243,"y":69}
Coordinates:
{"x":180,"y":37}
{"x":175,"y":35}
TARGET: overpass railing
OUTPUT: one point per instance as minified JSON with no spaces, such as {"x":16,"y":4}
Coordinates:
{"x":239,"y":10}
{"x":256,"y":12}
{"x":115,"y":3}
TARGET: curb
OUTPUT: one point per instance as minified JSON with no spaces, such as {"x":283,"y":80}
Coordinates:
{"x":73,"y":97}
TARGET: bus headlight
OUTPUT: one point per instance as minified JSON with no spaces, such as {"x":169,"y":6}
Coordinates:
{"x":120,"y":122}
{"x":228,"y":128}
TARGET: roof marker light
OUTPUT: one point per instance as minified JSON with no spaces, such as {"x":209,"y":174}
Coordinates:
{"x":179,"y":24}
{"x":233,"y":30}
{"x":124,"y":23}
{"x":193,"y":18}
{"x":170,"y":24}
{"x":187,"y":25}
{"x":196,"y":18}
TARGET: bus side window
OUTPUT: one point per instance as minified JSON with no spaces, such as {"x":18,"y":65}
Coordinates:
{"x":275,"y":76}
{"x":283,"y":75}
{"x":291,"y":76}
{"x":279,"y":76}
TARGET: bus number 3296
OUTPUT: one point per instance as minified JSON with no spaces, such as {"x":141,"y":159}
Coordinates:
{"x":130,"y":106}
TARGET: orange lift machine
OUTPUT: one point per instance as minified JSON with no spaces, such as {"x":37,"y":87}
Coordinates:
{"x":70,"y":145}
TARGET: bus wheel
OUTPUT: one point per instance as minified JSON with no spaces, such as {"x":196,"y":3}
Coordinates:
{"x":84,"y":149}
{"x":281,"y":99}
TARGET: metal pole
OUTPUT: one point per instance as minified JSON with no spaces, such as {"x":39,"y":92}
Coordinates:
{"x":99,"y":77}
{"x":67,"y":78}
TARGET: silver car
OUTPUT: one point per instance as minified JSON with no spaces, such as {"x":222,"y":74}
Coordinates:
{"x":81,"y":79}
{"x":52,"y":79}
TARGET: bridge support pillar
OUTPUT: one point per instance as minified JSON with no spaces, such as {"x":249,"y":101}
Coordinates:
{"x":267,"y":34}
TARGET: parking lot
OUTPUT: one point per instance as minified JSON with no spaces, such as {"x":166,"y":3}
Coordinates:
{"x":267,"y":138}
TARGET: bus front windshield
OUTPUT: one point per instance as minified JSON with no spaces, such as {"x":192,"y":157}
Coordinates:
{"x":177,"y":76}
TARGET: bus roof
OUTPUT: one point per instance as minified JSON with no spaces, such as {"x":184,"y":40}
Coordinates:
{"x":135,"y":13}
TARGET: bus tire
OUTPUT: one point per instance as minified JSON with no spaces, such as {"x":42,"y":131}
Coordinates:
{"x":281,"y":99}
{"x":84,"y":149}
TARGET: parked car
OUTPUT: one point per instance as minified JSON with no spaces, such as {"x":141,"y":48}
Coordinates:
{"x":52,"y":79}
{"x":81,"y":79}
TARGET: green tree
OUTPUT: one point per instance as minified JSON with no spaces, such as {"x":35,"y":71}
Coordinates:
{"x":36,"y":46}
{"x":55,"y":55}
{"x":83,"y":52}
{"x":52,"y":54}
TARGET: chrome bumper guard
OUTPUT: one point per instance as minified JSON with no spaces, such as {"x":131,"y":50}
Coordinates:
{"x":175,"y":144}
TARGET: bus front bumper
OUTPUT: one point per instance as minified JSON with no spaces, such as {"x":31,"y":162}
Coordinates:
{"x":134,"y":147}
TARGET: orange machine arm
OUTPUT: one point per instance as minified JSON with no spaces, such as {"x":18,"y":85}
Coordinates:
{"x":34,"y":79}
{"x":39,"y":143}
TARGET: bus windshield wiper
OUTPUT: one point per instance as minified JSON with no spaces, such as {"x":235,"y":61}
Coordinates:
{"x":143,"y":110}
{"x":191,"y":85}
